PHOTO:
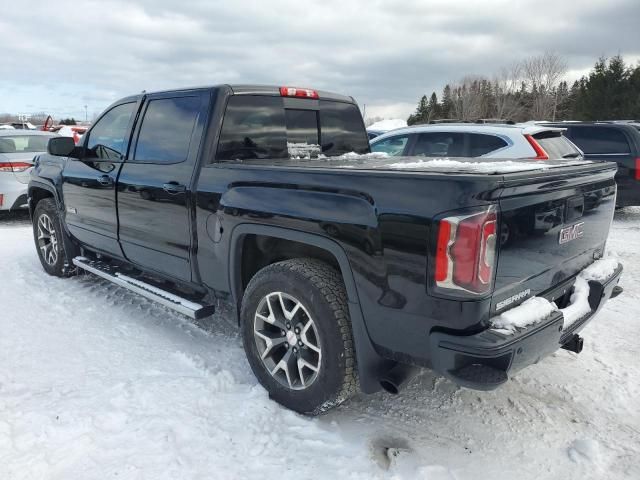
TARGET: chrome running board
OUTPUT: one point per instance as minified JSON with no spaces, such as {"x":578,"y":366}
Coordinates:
{"x":179,"y":304}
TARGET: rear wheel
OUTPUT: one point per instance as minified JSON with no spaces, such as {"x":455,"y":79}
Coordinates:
{"x":47,"y":235}
{"x":297,"y":335}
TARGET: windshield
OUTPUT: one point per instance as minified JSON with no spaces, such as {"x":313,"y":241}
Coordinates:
{"x":24,"y":143}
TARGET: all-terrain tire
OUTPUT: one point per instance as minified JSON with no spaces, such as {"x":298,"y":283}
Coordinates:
{"x":320,"y":290}
{"x":48,"y":237}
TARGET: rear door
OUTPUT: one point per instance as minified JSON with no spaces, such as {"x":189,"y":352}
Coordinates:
{"x":154,"y":186}
{"x":88,"y":184}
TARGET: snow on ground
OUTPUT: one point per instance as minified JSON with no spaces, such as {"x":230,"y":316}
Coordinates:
{"x":96,"y":382}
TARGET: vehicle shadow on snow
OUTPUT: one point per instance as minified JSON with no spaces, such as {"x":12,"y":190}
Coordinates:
{"x":17,"y":218}
{"x":627,"y":215}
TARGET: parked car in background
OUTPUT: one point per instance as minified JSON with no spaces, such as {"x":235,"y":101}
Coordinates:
{"x":23,"y":125}
{"x":612,"y":141}
{"x":74,"y":131}
{"x":477,"y":140}
{"x":17,"y":149}
{"x":384,"y":126}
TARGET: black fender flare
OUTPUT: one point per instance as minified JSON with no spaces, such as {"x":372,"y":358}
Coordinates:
{"x":370,"y":364}
{"x":33,"y":184}
{"x":70,"y":247}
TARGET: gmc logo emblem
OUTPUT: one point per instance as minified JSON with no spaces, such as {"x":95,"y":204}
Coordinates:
{"x":571,"y":233}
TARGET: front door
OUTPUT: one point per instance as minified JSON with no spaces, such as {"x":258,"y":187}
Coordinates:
{"x":154,"y":186}
{"x":89,"y":183}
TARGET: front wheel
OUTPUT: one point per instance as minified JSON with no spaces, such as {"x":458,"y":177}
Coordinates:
{"x":47,"y":235}
{"x":297,"y":335}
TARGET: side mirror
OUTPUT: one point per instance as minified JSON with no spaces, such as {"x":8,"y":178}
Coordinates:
{"x":61,"y":146}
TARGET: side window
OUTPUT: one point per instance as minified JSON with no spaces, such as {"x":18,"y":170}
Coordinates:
{"x":598,"y":140}
{"x":393,"y":146}
{"x":253,"y":128}
{"x":439,"y":144}
{"x":107,"y":137}
{"x":484,"y":144}
{"x":165,"y":133}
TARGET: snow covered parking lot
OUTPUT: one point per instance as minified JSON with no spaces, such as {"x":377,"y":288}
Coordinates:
{"x":96,"y":383}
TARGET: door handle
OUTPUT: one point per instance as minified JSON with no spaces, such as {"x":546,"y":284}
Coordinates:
{"x":174,"y":188}
{"x":105,"y":180}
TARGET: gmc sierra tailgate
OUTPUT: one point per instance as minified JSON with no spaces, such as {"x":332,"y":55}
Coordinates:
{"x":552,"y":225}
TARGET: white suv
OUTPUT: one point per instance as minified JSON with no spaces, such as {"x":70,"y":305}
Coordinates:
{"x":477,"y":140}
{"x":17,"y":149}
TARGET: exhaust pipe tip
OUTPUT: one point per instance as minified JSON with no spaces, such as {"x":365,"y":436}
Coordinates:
{"x":389,"y":387}
{"x":574,"y":344}
{"x":397,"y":378}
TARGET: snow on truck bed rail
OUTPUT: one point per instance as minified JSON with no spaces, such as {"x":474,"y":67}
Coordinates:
{"x":536,"y":309}
{"x":302,"y":156}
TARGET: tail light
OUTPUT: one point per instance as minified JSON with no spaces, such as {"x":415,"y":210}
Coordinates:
{"x":466,"y":252}
{"x":14,"y":166}
{"x":637,"y":173}
{"x":298,"y":92}
{"x":540,"y":153}
{"x":1,"y":199}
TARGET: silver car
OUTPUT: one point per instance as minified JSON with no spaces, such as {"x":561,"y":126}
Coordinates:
{"x":17,"y":149}
{"x":477,"y":140}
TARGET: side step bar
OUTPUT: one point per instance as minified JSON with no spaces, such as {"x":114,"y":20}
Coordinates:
{"x":182,"y":305}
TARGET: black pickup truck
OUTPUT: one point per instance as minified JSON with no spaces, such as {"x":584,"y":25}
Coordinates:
{"x":346,"y":271}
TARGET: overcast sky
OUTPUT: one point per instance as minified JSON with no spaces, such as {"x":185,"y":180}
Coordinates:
{"x":58,"y":56}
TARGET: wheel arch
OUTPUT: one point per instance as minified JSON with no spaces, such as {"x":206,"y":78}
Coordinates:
{"x":316,"y":241}
{"x":370,"y":363}
{"x":38,"y":191}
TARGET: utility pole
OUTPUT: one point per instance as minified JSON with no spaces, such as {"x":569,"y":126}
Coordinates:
{"x":85,"y":114}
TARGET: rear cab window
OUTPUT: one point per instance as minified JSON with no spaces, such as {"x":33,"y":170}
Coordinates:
{"x":272,"y":127}
{"x":556,"y":145}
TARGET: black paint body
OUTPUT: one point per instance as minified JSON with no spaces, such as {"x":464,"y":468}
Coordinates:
{"x":378,"y":225}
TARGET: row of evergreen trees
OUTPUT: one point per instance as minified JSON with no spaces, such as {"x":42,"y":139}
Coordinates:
{"x":611,"y":91}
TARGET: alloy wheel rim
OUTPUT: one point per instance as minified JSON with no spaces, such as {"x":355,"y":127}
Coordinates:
{"x":287,"y":340}
{"x":47,"y":240}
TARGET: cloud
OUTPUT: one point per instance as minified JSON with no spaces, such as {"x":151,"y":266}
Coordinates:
{"x":63,"y":55}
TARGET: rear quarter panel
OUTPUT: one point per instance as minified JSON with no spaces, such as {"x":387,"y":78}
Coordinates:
{"x":381,"y":220}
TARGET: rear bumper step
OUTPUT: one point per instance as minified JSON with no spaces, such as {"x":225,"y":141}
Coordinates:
{"x":485,"y":361}
{"x":179,"y":304}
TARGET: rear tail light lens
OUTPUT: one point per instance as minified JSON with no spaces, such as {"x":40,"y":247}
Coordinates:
{"x":637,"y":172}
{"x":540,"y":153}
{"x":298,"y":92}
{"x":466,"y":252}
{"x":1,"y":199}
{"x":14,"y":166}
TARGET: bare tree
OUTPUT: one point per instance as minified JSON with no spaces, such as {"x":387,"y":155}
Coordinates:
{"x":542,"y":74}
{"x":505,"y":88}
{"x":468,"y":99}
